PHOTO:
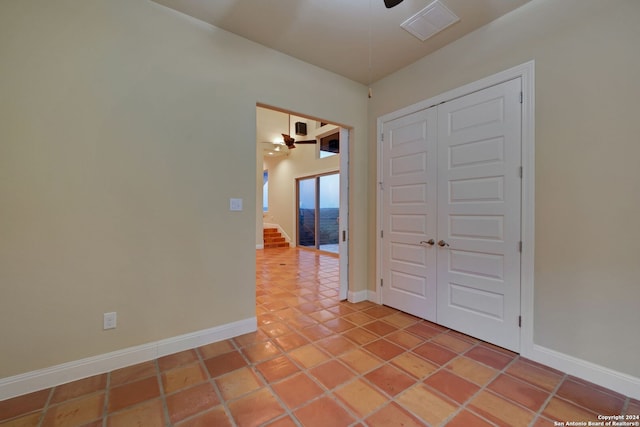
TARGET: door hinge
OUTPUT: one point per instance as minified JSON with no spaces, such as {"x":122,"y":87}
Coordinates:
{"x":520,"y":321}
{"x":381,"y":234}
{"x":382,"y":137}
{"x":381,"y":185}
{"x":520,"y":172}
{"x":344,"y":235}
{"x":520,"y":246}
{"x":521,"y":97}
{"x":381,"y":283}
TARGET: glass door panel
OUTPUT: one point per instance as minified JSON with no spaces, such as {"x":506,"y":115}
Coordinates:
{"x":318,"y":212}
{"x":307,"y":212}
{"x":329,"y":210}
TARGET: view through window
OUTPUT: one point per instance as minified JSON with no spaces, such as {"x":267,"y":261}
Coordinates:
{"x":318,"y":212}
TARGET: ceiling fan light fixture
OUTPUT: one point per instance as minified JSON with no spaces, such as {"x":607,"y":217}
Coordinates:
{"x":276,"y":149}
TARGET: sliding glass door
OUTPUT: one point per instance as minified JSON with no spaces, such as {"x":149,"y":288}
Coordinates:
{"x":318,"y":212}
{"x":307,"y":212}
{"x":328,"y":212}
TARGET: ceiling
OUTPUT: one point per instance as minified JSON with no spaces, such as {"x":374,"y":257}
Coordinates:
{"x":339,"y":35}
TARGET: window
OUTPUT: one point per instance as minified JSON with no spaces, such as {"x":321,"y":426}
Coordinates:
{"x":265,"y":191}
{"x":318,"y":212}
{"x":330,"y":145}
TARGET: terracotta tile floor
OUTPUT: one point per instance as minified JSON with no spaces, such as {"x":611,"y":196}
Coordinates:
{"x":315,"y":361}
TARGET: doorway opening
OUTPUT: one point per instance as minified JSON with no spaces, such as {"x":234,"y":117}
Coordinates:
{"x":306,"y":160}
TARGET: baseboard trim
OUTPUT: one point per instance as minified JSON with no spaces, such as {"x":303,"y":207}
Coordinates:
{"x":60,"y":374}
{"x":358,"y":296}
{"x":597,"y":374}
{"x":372,"y":296}
{"x":259,"y":246}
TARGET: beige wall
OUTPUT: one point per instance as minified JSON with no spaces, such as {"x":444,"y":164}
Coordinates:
{"x":587,"y":149}
{"x":125,"y":128}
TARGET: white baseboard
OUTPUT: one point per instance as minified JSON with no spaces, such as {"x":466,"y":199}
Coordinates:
{"x":358,"y":296}
{"x":605,"y":377}
{"x":372,"y":296}
{"x":60,"y":374}
{"x":259,"y":246}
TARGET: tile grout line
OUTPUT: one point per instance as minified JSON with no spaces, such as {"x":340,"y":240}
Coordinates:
{"x":387,"y":362}
{"x":163,"y":396}
{"x":326,"y":391}
{"x":465,"y":405}
{"x":46,"y":406}
{"x":552,"y":394}
{"x":267,"y":384}
{"x":625,"y":406}
{"x":105,"y":409}
{"x":461,"y":406}
{"x":358,"y":375}
{"x":303,"y":369}
{"x":216,"y":389}
{"x":421,"y":380}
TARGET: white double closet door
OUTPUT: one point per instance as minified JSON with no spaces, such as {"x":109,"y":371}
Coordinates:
{"x":450,"y":214}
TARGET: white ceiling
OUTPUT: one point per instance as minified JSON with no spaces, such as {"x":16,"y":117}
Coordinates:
{"x":338,"y":35}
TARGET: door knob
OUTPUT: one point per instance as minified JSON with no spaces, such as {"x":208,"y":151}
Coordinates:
{"x":430,"y":242}
{"x":442,"y":243}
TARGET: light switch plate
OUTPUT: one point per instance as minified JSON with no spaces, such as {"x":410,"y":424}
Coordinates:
{"x":109,"y":320}
{"x":235,"y":204}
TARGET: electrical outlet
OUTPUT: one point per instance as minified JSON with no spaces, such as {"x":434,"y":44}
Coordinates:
{"x":109,"y":321}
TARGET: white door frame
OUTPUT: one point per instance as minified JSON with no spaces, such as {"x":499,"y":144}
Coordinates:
{"x":526,"y":73}
{"x":343,"y":238}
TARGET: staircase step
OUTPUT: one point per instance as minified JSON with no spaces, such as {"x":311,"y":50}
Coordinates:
{"x":274,"y":239}
{"x":276,"y":245}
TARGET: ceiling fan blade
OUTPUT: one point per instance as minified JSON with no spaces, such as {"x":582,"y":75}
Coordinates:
{"x":391,"y":3}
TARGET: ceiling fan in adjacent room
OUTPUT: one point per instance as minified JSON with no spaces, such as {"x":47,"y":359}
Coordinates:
{"x":391,"y":3}
{"x":282,"y":147}
{"x":291,"y":142}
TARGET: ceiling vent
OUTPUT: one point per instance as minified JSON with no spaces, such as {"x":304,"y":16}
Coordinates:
{"x":430,"y":20}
